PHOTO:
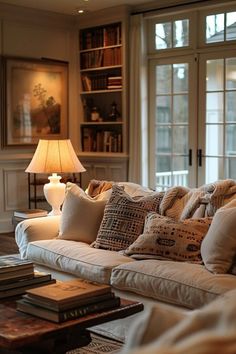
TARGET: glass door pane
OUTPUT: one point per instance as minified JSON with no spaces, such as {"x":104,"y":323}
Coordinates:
{"x":171,"y":123}
{"x":218,"y":120}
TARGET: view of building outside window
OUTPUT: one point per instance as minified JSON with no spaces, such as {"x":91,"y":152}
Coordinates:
{"x":218,"y":30}
{"x":172,"y":119}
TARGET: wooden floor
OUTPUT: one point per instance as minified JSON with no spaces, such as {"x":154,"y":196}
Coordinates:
{"x":8,"y":244}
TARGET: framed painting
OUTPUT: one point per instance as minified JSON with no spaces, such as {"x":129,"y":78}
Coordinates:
{"x":34,"y":100}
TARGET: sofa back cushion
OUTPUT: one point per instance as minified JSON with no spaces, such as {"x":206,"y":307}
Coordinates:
{"x":123,"y":219}
{"x":218,"y":248}
{"x":81,"y":215}
{"x":166,"y":238}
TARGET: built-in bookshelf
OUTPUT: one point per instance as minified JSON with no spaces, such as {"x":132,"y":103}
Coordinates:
{"x":101,"y":70}
{"x":103,"y":124}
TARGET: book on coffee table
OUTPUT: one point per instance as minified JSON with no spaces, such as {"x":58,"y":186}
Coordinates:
{"x":62,"y":316}
{"x":67,"y":291}
{"x":57,"y":306}
{"x":11,"y":263}
{"x":18,"y":287}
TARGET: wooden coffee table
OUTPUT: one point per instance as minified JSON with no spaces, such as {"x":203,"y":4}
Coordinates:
{"x":23,"y":333}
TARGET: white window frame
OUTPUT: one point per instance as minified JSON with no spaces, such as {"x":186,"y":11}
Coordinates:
{"x":197,"y":46}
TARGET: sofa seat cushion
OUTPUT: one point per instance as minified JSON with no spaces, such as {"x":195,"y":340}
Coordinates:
{"x":77,"y":258}
{"x":180,"y":283}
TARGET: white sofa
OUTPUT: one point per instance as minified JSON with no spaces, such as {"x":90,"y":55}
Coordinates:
{"x":183,"y":284}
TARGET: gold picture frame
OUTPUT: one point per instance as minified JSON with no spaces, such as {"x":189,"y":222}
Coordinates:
{"x":34,"y":100}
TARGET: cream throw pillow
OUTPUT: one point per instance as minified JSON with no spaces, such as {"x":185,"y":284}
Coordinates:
{"x":218,"y":248}
{"x":81,"y":215}
{"x":166,"y":238}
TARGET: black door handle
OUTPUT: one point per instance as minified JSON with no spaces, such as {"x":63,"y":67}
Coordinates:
{"x":199,"y":156}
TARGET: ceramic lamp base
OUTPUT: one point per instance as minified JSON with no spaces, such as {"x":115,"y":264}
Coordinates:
{"x":54,"y":192}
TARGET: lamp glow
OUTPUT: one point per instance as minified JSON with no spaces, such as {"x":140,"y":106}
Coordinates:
{"x":55,"y":156}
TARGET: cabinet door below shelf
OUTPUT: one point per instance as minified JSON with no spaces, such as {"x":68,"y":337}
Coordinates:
{"x":103,"y":170}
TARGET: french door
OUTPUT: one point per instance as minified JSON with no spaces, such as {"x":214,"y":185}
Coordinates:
{"x":217,"y":116}
{"x":192,"y":120}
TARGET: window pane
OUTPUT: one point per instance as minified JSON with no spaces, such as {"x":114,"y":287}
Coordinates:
{"x":230,"y":98}
{"x":163,"y":164}
{"x":214,"y":169}
{"x":180,"y":140}
{"x":230,"y":140}
{"x":180,"y":171}
{"x":231,"y":26}
{"x":180,"y":108}
{"x":163,"y":139}
{"x":230,"y":168}
{"x":215,"y":75}
{"x":163,"y":38}
{"x":163,"y":79}
{"x":163,"y":112}
{"x":231,"y":73}
{"x":163,"y":172}
{"x":180,"y":77}
{"x":214,"y":140}
{"x":215,"y":28}
{"x":214,"y":107}
{"x":181,"y":33}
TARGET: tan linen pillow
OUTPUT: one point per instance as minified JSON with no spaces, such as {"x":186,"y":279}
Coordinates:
{"x":124,"y":218}
{"x":167,"y":238}
{"x":81,"y":215}
{"x":218,"y":248}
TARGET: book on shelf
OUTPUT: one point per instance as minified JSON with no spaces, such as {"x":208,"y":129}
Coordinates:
{"x":101,"y":141}
{"x":64,"y":292}
{"x":19,"y":287}
{"x":30,"y":213}
{"x":11,"y":263}
{"x":62,"y":316}
{"x":86,"y":83}
{"x":57,"y":306}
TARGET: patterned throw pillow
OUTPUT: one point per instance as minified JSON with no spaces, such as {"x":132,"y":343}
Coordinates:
{"x":169,"y":239}
{"x":124,"y":218}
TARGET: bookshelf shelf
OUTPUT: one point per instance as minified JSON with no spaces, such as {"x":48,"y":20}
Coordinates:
{"x":101,"y":123}
{"x":103,"y":99}
{"x":99,"y":91}
{"x":102,"y":68}
{"x":100,"y":48}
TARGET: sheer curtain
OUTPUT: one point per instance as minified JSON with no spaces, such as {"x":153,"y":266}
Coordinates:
{"x":138,"y":128}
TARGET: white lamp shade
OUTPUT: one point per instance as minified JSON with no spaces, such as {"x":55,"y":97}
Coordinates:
{"x":53,"y":156}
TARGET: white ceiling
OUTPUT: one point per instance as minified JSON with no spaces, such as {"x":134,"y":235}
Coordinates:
{"x":70,"y":7}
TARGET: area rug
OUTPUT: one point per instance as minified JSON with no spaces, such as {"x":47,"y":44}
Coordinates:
{"x":99,"y":345}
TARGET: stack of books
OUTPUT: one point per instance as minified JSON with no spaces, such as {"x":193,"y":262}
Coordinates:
{"x":17,"y":275}
{"x":114,"y":82}
{"x":68,"y":300}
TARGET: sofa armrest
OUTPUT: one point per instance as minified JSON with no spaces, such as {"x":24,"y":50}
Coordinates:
{"x":43,"y":228}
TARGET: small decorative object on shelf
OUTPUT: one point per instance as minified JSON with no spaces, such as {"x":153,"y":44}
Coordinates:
{"x":114,"y":114}
{"x":95,"y":117}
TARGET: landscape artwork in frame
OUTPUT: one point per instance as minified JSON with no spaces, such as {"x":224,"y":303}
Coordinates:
{"x":35,"y":101}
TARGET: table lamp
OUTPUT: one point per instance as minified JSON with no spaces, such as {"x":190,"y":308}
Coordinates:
{"x":55,"y":156}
